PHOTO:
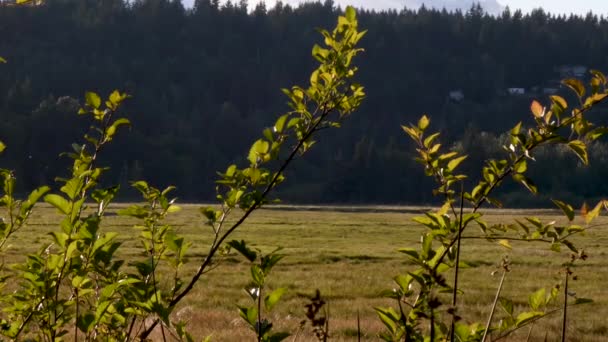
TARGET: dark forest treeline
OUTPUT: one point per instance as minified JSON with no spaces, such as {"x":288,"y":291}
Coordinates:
{"x":206,"y":81}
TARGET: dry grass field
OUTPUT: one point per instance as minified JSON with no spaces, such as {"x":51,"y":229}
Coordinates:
{"x":350,"y":255}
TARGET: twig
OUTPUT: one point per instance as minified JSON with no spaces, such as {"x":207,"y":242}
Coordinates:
{"x":502,"y":280}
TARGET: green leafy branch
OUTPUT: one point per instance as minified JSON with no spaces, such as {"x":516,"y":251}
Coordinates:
{"x":331,"y":91}
{"x":553,"y":126}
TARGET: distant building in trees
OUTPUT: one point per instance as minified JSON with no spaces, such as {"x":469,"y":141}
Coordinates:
{"x":550,"y":91}
{"x":566,"y":71}
{"x":456,"y":95}
{"x":516,"y":91}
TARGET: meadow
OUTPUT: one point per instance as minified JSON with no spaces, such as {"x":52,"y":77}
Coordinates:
{"x":350,"y":255}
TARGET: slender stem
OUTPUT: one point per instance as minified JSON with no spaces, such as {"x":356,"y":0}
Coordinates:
{"x":565,"y":315}
{"x":530,"y":333}
{"x":502,"y":280}
{"x":153,"y":262}
{"x":259,"y":328}
{"x":77,"y":313}
{"x":128,"y":337}
{"x":432,"y":323}
{"x":326,"y":334}
{"x":457,"y":268}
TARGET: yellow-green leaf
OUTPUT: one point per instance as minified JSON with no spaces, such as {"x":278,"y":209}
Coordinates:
{"x":559,"y":101}
{"x":58,"y":202}
{"x":412,"y":132}
{"x":521,"y":166}
{"x":505,"y":243}
{"x":423,"y":123}
{"x":92,"y":99}
{"x":589,"y":216}
{"x":580,"y":149}
{"x":576,"y":85}
{"x":566,"y":208}
{"x":537,"y":299}
{"x":259,"y":148}
{"x":350,"y":13}
{"x":453,"y":164}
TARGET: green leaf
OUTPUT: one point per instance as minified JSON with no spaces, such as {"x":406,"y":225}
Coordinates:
{"x":269,"y":261}
{"x":389,"y":317}
{"x":116,"y":97}
{"x":280,"y":124}
{"x":249,"y":315}
{"x":423,"y":123}
{"x":525,"y":181}
{"x":507,"y":306}
{"x":537,"y":299}
{"x":570,"y":245}
{"x":505,"y":243}
{"x":278,"y":337}
{"x":462,"y":332}
{"x":33,"y":198}
{"x":86,"y":322}
{"x":526,"y":317}
{"x":272,"y":299}
{"x":134,"y":211}
{"x":241,"y":247}
{"x":453,"y":164}
{"x":111,"y":130}
{"x":583,"y":301}
{"x":403,"y":281}
{"x":2,"y":147}
{"x":413,"y":132}
{"x":597,"y":133}
{"x":258,"y":149}
{"x":580,"y":148}
{"x":350,"y":14}
{"x":591,"y":215}
{"x":559,"y":101}
{"x":60,"y":238}
{"x":2,"y":60}
{"x":566,"y":208}
{"x":410,"y":252}
{"x":576,"y":85}
{"x":257,"y":275}
{"x":58,"y":202}
{"x":92,"y":99}
{"x":521,"y":166}
{"x":72,"y":187}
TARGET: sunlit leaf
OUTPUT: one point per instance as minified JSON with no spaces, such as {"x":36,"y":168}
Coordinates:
{"x":537,"y":299}
{"x":453,"y":164}
{"x":537,"y":109}
{"x":505,"y":243}
{"x":566,"y":208}
{"x":580,"y":148}
{"x":576,"y":85}
{"x":92,"y":99}
{"x":273,"y":298}
{"x":423,"y":123}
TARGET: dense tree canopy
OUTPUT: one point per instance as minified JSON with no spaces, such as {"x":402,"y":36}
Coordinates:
{"x":206,"y":81}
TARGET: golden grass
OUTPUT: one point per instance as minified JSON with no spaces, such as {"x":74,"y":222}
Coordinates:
{"x":349,"y":254}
